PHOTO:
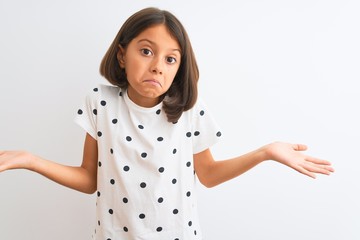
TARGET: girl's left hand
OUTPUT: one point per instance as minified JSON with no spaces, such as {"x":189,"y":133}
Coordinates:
{"x":292,"y":156}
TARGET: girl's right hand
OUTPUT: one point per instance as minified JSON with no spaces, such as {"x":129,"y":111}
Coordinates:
{"x":15,"y":160}
{"x":82,"y":178}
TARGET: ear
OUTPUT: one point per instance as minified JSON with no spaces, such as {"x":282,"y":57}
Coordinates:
{"x":120,"y":56}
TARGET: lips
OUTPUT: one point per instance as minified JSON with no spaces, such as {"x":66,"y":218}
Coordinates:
{"x":153,"y":81}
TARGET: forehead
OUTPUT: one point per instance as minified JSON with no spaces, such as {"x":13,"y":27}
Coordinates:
{"x":158,"y":35}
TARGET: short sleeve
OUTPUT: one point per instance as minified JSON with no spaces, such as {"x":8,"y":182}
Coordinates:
{"x":86,"y":114}
{"x":206,"y":131}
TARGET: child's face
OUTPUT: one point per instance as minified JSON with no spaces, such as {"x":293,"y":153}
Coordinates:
{"x":151,"y":61}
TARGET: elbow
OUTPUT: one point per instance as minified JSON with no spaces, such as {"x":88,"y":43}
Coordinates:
{"x":91,"y":186}
{"x":90,"y":191}
{"x":208,"y":182}
{"x":207,"y":185}
{"x":209,"y":178}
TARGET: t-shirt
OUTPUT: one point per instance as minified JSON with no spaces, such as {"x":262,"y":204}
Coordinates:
{"x":146,"y":184}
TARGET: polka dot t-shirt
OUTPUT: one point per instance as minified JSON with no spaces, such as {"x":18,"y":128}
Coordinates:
{"x":146,"y":178}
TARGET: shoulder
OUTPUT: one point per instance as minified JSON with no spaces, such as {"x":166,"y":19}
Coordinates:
{"x":199,"y":109}
{"x":107,"y":90}
{"x":102,"y":92}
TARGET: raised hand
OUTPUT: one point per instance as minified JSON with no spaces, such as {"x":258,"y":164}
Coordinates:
{"x":292,"y":155}
{"x":15,"y":160}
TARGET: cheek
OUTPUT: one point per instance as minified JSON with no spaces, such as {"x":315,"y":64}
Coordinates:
{"x":132,"y":68}
{"x":171,"y":76}
{"x":173,"y":71}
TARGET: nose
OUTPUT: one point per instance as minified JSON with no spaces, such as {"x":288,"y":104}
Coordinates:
{"x":157,"y":66}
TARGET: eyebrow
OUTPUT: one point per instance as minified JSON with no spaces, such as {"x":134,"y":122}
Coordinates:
{"x":153,"y":43}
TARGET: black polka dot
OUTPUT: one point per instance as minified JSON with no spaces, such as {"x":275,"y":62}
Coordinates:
{"x":161,"y":169}
{"x":99,"y":164}
{"x":160,"y":139}
{"x":160,"y":200}
{"x":202,"y":113}
{"x":188,"y":164}
{"x":125,"y":200}
{"x":196,"y":133}
{"x":95,"y":89}
{"x":126,"y":229}
{"x":174,"y":181}
{"x":143,"y":155}
{"x":94,"y":111}
{"x":80,"y":112}
{"x":111,"y":151}
{"x":143,"y":185}
{"x":114,"y":121}
{"x":190,"y":223}
{"x":175,"y":211}
{"x":188,"y":194}
{"x":120,"y":94}
{"x":111,"y":211}
{"x":158,"y":111}
{"x":99,"y":223}
{"x":195,"y":232}
{"x":103,"y":103}
{"x":99,"y":134}
{"x":126,"y":168}
{"x":175,"y":122}
{"x":112,"y":181}
{"x":128,"y":138}
{"x":188,"y":134}
{"x":140,"y":126}
{"x":174,"y":150}
{"x":142,"y":216}
{"x":159,"y":229}
{"x":98,"y":193}
{"x":218,"y":134}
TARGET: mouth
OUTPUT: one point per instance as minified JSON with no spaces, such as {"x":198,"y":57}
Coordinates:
{"x":153,"y":82}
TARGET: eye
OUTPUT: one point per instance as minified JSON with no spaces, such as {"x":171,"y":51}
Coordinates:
{"x":146,"y":52}
{"x":171,"y":60}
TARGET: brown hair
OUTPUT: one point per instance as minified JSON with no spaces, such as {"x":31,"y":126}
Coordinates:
{"x":183,"y":92}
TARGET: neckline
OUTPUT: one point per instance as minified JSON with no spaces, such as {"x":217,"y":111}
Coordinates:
{"x":136,"y":107}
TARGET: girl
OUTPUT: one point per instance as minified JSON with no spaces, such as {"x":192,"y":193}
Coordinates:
{"x":148,"y":138}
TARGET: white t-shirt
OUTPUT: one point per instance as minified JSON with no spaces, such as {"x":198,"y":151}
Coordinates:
{"x":146,"y":178}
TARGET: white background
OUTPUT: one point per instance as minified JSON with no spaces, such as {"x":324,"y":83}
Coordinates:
{"x":270,"y":70}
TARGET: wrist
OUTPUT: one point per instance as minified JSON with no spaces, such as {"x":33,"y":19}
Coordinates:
{"x":259,"y":155}
{"x":265,"y":152}
{"x":31,"y":162}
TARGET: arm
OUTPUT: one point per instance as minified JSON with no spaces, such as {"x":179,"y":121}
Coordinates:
{"x":82,"y":178}
{"x":212,"y":173}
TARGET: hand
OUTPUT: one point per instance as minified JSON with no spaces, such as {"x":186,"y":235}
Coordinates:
{"x":14,"y":160}
{"x":292,"y":156}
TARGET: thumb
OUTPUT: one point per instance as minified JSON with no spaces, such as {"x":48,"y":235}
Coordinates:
{"x":299,"y":147}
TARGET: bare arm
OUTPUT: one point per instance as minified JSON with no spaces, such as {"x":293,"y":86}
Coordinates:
{"x":212,"y":173}
{"x":82,"y":178}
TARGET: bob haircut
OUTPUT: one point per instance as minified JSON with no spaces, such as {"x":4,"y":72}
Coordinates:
{"x":183,"y":92}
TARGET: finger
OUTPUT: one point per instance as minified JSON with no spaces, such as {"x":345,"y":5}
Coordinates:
{"x":305,"y":172}
{"x":2,"y":168}
{"x":299,"y":147}
{"x":321,"y":169}
{"x":317,"y":160}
